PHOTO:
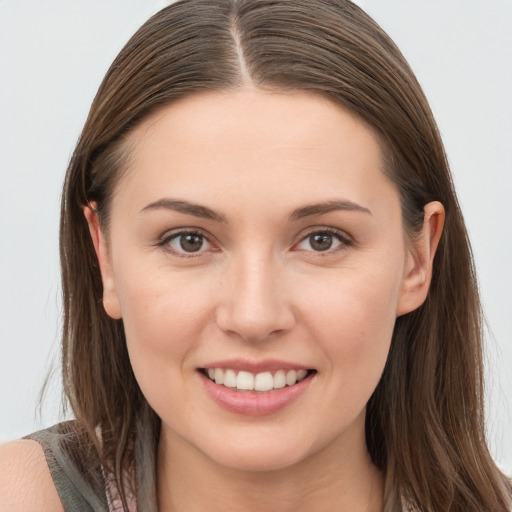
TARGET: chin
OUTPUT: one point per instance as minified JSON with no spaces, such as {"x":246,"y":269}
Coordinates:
{"x":259,"y":451}
{"x":258,"y":460}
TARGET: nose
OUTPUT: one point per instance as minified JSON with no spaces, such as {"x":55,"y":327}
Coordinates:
{"x":254,"y":302}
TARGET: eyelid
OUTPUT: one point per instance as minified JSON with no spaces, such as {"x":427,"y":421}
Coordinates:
{"x":163,"y":241}
{"x":345,"y":239}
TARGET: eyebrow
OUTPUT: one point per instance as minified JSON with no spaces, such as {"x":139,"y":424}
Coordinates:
{"x":185,"y":207}
{"x":207,"y":213}
{"x":326,"y":207}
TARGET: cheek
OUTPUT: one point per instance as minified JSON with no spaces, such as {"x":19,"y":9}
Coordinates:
{"x":353,"y":319}
{"x":163,"y":315}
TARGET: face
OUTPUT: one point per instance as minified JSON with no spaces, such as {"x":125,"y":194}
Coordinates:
{"x":255,"y":241}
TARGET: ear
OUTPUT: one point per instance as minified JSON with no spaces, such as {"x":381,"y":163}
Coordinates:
{"x":110,"y":298}
{"x":420,"y":259}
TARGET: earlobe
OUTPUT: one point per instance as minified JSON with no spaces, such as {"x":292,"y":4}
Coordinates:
{"x":420,"y":259}
{"x":110,"y":298}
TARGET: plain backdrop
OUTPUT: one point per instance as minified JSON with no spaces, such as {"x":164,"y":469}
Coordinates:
{"x":53,"y":55}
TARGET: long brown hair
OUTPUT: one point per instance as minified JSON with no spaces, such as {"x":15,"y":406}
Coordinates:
{"x":424,"y":424}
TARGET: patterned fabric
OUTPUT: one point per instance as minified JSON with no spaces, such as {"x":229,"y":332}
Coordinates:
{"x":114,"y":501}
{"x":98,"y":493}
{"x":76,"y":493}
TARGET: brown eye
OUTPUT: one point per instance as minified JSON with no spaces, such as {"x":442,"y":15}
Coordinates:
{"x":321,"y":241}
{"x":188,"y":242}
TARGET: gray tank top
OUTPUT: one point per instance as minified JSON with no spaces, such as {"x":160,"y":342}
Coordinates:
{"x":76,"y":493}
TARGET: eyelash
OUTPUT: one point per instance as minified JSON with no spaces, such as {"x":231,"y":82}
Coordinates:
{"x":344,"y":240}
{"x":165,"y":240}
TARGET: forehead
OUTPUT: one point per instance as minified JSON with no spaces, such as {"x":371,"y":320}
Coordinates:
{"x":277,"y":145}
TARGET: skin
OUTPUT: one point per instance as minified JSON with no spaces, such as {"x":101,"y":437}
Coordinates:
{"x":259,"y":289}
{"x":26,"y":484}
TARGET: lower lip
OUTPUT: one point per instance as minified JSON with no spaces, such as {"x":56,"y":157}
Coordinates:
{"x":255,"y":403}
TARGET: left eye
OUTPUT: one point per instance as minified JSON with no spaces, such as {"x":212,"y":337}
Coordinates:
{"x":188,"y":242}
{"x":321,"y":241}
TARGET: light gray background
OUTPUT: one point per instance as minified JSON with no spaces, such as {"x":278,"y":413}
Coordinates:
{"x":53,"y":55}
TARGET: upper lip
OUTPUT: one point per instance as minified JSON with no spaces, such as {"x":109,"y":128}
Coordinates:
{"x":265,"y":365}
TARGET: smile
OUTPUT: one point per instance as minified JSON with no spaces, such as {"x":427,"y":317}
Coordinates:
{"x":267,"y":389}
{"x":248,"y":381}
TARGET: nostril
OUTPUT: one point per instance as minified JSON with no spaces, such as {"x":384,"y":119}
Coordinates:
{"x":251,"y":304}
{"x":254,"y":328}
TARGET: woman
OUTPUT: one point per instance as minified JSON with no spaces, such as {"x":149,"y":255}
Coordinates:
{"x":269,"y":295}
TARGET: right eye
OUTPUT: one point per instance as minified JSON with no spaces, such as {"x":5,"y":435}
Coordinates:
{"x":186,"y":243}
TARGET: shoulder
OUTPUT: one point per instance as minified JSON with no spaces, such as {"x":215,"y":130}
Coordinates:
{"x":25,"y":480}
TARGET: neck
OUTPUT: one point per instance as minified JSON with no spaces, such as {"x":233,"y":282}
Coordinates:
{"x":340,"y":477}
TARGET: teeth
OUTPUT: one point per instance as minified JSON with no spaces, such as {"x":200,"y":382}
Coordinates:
{"x":301,"y":374}
{"x":263,"y":382}
{"x":219,"y":376}
{"x":291,"y":377}
{"x":280,"y":379}
{"x":230,"y":379}
{"x":248,"y":381}
{"x":245,"y":380}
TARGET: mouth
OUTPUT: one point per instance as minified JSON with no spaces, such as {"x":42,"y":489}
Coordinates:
{"x":255,"y":383}
{"x":256,"y":388}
